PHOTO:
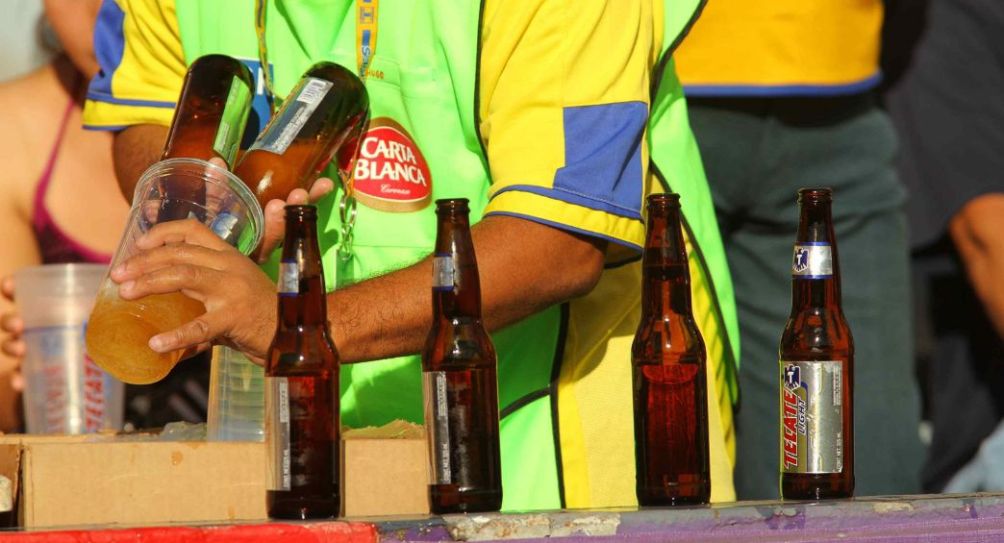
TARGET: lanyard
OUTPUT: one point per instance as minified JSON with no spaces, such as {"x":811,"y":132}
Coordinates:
{"x":367,"y":16}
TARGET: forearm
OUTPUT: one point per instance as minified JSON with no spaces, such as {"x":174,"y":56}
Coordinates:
{"x":135,"y":149}
{"x":525,"y":267}
{"x":978,"y":233}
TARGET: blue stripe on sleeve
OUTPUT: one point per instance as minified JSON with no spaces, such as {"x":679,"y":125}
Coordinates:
{"x":603,"y":168}
{"x":109,"y":46}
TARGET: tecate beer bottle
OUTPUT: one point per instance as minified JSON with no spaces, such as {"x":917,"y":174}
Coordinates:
{"x":208,"y":122}
{"x":458,"y":372}
{"x":322,"y":117}
{"x":816,"y":365}
{"x":301,"y":380}
{"x":668,"y":365}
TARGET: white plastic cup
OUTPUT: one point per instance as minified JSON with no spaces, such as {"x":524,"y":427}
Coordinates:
{"x":236,"y":398}
{"x":65,"y":391}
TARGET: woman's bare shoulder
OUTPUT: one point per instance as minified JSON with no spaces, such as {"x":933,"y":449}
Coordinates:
{"x":30,"y":111}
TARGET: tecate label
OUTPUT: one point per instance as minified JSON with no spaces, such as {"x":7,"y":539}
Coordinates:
{"x":277,"y":433}
{"x":66,"y":397}
{"x":289,"y":277}
{"x":812,"y":417}
{"x":292,"y":116}
{"x":812,"y":260}
{"x":443,"y":272}
{"x":437,"y":423}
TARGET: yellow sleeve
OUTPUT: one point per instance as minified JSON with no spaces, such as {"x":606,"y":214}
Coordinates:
{"x":564,"y":100}
{"x":142,"y":65}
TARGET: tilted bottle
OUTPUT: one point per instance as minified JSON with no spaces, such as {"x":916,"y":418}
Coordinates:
{"x":209,"y":122}
{"x":324,"y":116}
{"x":459,"y":377}
{"x":816,"y":365}
{"x":301,"y":380}
{"x":669,"y":369}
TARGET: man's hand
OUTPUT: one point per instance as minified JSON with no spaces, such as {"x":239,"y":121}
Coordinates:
{"x":275,"y":215}
{"x":977,"y":232}
{"x":12,"y":326}
{"x":186,"y":256}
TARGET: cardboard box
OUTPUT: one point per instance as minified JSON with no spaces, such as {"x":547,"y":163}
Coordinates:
{"x":70,"y":481}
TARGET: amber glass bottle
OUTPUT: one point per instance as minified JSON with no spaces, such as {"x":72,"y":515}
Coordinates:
{"x":208,"y":123}
{"x":324,"y":115}
{"x":459,"y":376}
{"x":669,"y":367}
{"x":301,"y":380}
{"x":816,"y":365}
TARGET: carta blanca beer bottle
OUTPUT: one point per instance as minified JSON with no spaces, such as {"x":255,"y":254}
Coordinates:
{"x":816,"y":365}
{"x":301,"y":380}
{"x":208,"y":123}
{"x":459,"y":376}
{"x":324,"y":115}
{"x":669,"y":369}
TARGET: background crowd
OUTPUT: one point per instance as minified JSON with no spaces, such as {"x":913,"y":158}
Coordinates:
{"x":911,"y":140}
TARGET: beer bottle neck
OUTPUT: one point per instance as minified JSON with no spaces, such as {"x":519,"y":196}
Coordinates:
{"x":815,"y":270}
{"x":666,"y":277}
{"x":301,"y":279}
{"x":456,"y":289}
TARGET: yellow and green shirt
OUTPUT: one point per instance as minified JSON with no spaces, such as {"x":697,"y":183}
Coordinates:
{"x":553,"y":111}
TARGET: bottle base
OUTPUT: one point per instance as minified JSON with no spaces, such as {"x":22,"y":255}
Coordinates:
{"x":289,"y":506}
{"x":816,"y":486}
{"x":674,"y":495}
{"x":446,"y":499}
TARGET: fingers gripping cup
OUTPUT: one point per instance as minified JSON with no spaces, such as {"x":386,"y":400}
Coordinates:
{"x":65,"y":392}
{"x":119,"y":330}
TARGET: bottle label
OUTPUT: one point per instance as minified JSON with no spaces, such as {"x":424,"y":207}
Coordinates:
{"x":277,"y":433}
{"x":437,"y":424}
{"x":812,"y":260}
{"x":289,"y":278}
{"x":292,"y":116}
{"x":235,"y":112}
{"x":812,"y":416}
{"x":443,"y":272}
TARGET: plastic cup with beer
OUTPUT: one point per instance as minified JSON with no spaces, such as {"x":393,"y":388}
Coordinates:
{"x":119,"y":331}
{"x":65,"y":392}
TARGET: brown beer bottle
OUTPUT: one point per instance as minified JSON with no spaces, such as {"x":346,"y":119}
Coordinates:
{"x":458,"y":371}
{"x":669,"y":367}
{"x":324,"y":115}
{"x":301,"y":384}
{"x":208,"y":123}
{"x":816,"y":365}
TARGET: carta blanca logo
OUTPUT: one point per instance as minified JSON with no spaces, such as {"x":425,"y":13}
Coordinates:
{"x":260,"y":110}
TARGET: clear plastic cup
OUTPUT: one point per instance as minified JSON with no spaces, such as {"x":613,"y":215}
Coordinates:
{"x":178,"y":188}
{"x":65,"y":392}
{"x":236,"y":398}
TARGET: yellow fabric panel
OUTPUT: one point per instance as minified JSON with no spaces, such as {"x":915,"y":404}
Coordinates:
{"x":596,"y":415}
{"x":572,"y":53}
{"x":151,"y":69}
{"x":782,"y":42}
{"x":536,"y":206}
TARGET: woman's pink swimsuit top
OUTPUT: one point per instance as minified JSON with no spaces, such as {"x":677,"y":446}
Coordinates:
{"x":55,"y":244}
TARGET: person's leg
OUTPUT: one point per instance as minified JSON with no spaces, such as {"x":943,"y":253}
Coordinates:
{"x":755,"y":163}
{"x":848,"y":145}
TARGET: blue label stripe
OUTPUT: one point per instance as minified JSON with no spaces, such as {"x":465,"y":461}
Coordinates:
{"x":814,"y":243}
{"x":812,"y":276}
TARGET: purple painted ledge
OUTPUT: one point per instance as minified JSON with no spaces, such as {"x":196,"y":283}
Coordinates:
{"x":958,"y":518}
